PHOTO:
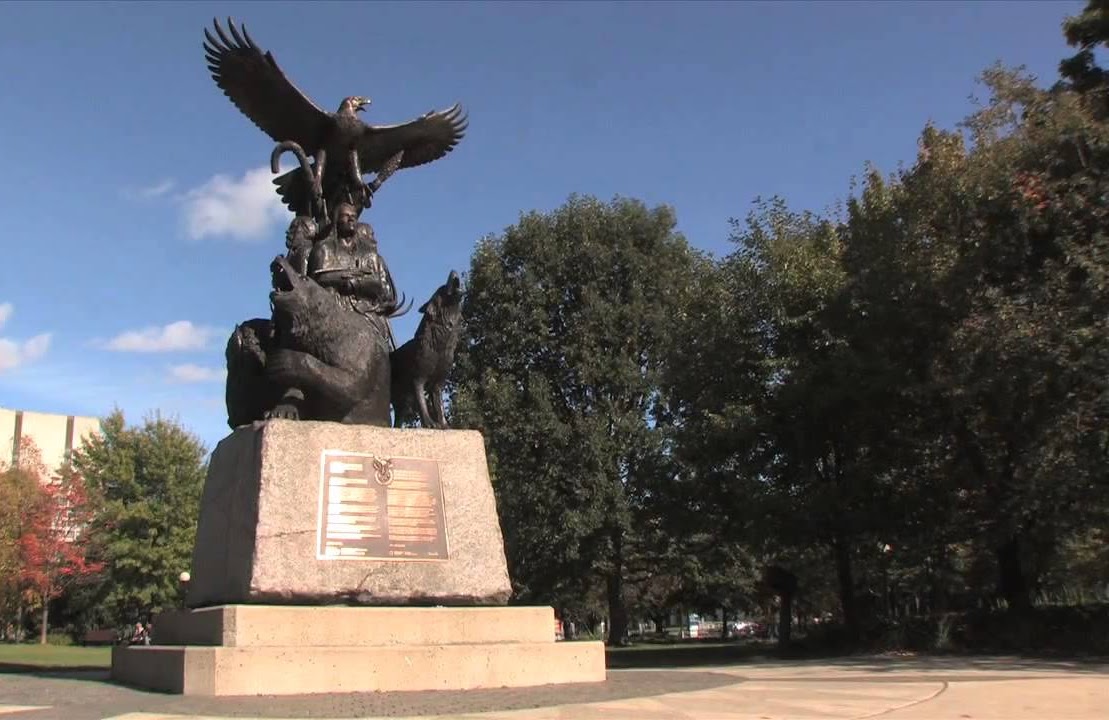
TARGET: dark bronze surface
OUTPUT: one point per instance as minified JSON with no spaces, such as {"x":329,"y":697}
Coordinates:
{"x":421,"y":365}
{"x":341,"y":147}
{"x":325,"y":353}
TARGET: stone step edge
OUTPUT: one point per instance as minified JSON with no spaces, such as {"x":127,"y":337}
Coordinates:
{"x":253,"y":670}
{"x":288,"y":646}
{"x":260,"y":626}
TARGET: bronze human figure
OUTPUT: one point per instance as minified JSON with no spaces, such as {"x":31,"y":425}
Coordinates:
{"x":346,"y":260}
{"x":324,"y":355}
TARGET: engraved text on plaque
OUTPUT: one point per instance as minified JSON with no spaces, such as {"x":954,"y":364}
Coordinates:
{"x":374,"y":508}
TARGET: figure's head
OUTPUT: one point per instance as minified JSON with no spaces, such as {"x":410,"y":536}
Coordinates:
{"x":302,"y":231}
{"x":354,"y":104}
{"x":346,"y":219}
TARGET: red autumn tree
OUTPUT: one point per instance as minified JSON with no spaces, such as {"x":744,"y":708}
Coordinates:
{"x":52,"y":558}
{"x":20,"y":493}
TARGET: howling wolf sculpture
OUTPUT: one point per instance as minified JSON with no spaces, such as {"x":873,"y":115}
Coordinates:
{"x":422,"y":364}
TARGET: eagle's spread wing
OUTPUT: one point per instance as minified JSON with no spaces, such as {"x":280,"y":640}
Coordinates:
{"x":423,"y":140}
{"x":261,"y":91}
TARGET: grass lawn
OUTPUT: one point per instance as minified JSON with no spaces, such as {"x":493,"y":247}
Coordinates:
{"x":685,"y":653}
{"x":31,"y":657}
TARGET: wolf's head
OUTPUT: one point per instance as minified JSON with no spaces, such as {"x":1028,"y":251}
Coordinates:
{"x":445,"y":305}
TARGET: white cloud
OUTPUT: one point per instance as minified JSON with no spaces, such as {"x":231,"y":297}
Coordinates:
{"x":14,"y":353}
{"x":159,"y":189}
{"x":246,"y":209}
{"x":180,"y":335}
{"x":189,"y":373}
{"x":162,"y":188}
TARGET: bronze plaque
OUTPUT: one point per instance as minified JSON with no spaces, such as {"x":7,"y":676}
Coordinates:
{"x":374,"y":508}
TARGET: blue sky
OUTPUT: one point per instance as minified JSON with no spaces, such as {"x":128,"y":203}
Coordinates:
{"x":139,"y":220}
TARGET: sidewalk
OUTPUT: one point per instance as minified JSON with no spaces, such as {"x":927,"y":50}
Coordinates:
{"x":848,"y":689}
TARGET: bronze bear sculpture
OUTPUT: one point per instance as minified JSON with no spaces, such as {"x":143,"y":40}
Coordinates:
{"x":318,"y":359}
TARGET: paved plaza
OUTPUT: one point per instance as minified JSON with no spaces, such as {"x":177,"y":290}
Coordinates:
{"x":847,"y":689}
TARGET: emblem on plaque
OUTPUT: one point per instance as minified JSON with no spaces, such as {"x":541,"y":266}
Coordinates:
{"x":383,"y":471}
{"x":374,"y":508}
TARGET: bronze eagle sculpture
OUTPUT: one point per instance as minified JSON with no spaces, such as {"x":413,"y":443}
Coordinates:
{"x":341,"y":146}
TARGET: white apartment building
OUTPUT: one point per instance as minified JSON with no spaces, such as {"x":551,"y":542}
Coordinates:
{"x":54,"y":435}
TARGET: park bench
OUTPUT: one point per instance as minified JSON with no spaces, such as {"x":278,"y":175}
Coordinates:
{"x":102,"y":636}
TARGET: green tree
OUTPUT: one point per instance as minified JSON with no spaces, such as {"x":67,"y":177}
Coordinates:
{"x":983,"y":274}
{"x":919,"y":387}
{"x":819,"y":413}
{"x":1026,"y":381}
{"x":1087,"y":31}
{"x":900,"y":237}
{"x":149,"y":479}
{"x":567,"y":319}
{"x":765,"y":398}
{"x":710,"y":506}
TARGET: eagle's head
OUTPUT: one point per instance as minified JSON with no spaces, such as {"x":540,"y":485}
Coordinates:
{"x":354,"y":104}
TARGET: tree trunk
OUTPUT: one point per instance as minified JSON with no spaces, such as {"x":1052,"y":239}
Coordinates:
{"x":617,"y":611}
{"x":785,"y":618}
{"x":1012,"y":583}
{"x":846,"y":577}
{"x":939,"y":597}
{"x":45,"y":619}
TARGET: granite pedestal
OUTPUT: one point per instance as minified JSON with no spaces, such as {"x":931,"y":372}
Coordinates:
{"x":344,"y":558}
{"x":275,"y":650}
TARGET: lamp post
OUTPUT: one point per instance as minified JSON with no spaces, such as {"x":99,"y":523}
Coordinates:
{"x":183,"y":581}
{"x":887,"y":601}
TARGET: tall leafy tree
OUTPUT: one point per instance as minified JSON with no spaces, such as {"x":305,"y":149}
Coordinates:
{"x":55,"y":552}
{"x":712,"y":510}
{"x":1087,"y":31}
{"x":817,"y":407}
{"x":43,"y":549}
{"x":20,"y":494}
{"x":149,"y":479}
{"x":1026,"y":381}
{"x":567,"y":318}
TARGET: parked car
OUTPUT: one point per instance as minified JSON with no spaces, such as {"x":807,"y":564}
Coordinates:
{"x":748,"y":629}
